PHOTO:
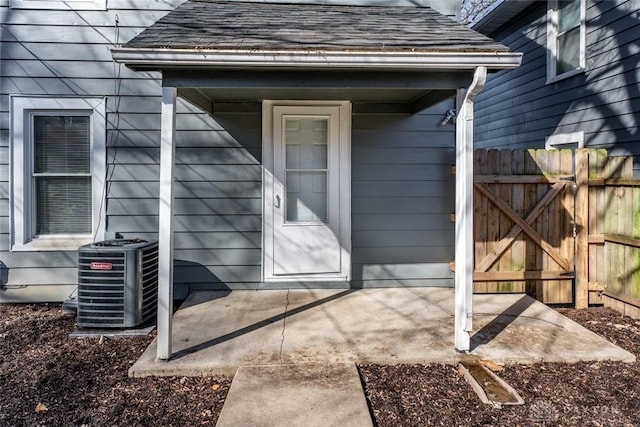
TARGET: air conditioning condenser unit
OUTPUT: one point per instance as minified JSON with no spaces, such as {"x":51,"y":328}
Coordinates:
{"x":117,"y":283}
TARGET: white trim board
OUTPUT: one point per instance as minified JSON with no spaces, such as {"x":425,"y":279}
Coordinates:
{"x":559,"y":140}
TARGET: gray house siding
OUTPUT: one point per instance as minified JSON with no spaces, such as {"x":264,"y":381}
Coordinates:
{"x":517,"y":109}
{"x":402,"y":198}
{"x":218,"y":204}
{"x":402,"y":188}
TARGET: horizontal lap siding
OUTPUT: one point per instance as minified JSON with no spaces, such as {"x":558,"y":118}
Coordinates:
{"x":402,"y":198}
{"x":218,"y":208}
{"x":217,"y":191}
{"x":518,"y":110}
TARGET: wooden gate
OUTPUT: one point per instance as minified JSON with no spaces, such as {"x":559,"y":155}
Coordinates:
{"x":524,"y":223}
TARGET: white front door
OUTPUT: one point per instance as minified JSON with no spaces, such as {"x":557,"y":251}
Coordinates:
{"x":306,"y":191}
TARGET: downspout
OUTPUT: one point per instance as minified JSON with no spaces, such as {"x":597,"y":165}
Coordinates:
{"x":464,"y":214}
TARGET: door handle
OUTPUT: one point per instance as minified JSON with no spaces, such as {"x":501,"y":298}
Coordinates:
{"x":277,"y":201}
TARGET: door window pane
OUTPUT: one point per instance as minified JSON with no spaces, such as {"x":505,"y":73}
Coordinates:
{"x":306,"y":196}
{"x":306,"y":142}
{"x":306,"y":168}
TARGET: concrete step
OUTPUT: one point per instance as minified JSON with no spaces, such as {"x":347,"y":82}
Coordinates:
{"x":306,"y":395}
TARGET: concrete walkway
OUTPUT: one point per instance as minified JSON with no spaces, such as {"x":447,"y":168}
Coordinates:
{"x":296,"y":395}
{"x":217,"y":332}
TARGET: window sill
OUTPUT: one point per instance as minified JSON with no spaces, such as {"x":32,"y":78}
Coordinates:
{"x":53,"y":244}
{"x":565,"y":75}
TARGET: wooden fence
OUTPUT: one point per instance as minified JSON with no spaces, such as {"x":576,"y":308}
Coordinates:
{"x":561,"y":226}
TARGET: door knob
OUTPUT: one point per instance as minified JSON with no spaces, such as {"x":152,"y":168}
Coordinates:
{"x":277,"y":201}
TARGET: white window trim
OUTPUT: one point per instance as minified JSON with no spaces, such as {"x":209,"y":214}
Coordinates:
{"x":552,"y":31}
{"x":557,"y":141}
{"x":59,"y":4}
{"x":22,"y":107}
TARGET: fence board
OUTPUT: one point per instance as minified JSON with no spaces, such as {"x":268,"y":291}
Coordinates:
{"x":504,"y":264}
{"x":596,"y":223}
{"x":582,"y":229}
{"x":517,"y":198}
{"x":611,"y":252}
{"x":626,"y":225}
{"x":530,"y":197}
{"x":493,"y":215}
{"x":635,"y":233}
{"x":480,"y":217}
{"x":566,"y":209}
{"x":542,"y":225}
{"x":551,"y":292}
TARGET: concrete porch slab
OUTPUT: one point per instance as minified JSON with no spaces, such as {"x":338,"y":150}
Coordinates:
{"x":217,"y":332}
{"x":296,"y":395}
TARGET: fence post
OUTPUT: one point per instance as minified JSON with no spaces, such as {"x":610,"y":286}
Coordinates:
{"x":582,"y":228}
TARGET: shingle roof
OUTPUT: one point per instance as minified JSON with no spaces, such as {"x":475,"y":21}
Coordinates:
{"x":236,"y":25}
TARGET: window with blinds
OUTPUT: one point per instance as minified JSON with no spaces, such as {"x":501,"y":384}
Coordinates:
{"x":61,"y":174}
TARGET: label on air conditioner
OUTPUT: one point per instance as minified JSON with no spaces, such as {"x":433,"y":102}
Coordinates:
{"x":101,"y":266}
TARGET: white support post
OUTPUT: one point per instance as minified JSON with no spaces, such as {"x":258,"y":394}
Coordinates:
{"x":165,"y":236}
{"x":464,"y":214}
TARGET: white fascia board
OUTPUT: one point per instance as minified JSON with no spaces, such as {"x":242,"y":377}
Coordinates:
{"x":136,"y":57}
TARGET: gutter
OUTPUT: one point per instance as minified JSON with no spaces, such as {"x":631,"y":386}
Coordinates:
{"x":157,"y":58}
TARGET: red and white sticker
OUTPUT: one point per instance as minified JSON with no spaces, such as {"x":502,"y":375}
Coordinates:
{"x":101,"y":266}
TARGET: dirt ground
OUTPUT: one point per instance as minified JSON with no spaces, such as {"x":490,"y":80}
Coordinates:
{"x":47,"y":379}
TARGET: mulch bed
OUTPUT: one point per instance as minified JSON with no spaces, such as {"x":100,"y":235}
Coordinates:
{"x":581,"y":394}
{"x":48,"y":379}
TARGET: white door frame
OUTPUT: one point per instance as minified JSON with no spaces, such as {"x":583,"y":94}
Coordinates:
{"x":344,"y":234}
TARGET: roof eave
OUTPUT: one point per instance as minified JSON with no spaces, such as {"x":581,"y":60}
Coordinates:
{"x":159,"y":58}
{"x":500,"y":15}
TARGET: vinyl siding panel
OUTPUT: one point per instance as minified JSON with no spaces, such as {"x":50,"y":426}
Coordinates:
{"x":517,"y":109}
{"x":218,"y":196}
{"x":402,"y":197}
